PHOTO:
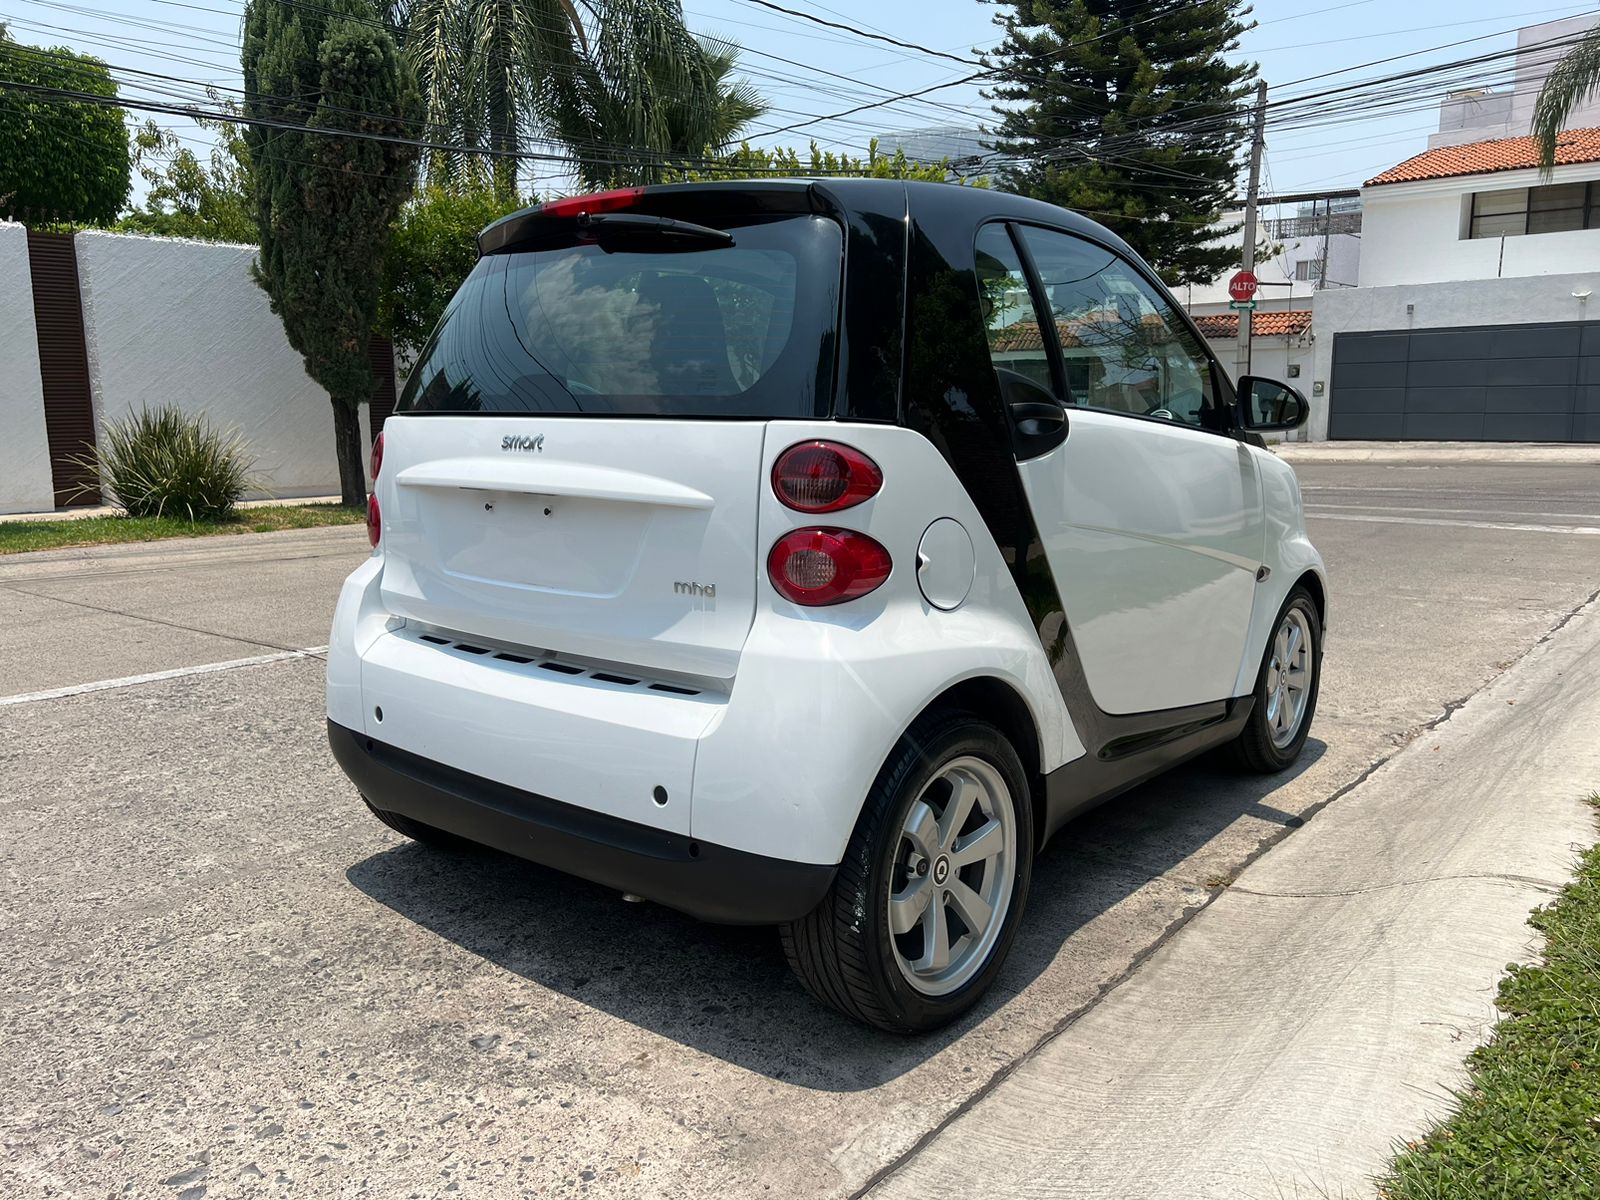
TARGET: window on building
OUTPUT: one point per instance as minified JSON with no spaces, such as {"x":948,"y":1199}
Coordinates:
{"x":1512,"y":212}
{"x":1308,"y":268}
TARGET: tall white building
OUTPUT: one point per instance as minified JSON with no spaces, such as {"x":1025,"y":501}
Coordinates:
{"x":1482,"y":114}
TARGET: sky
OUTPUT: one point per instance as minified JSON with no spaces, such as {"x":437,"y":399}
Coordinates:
{"x":786,"y":58}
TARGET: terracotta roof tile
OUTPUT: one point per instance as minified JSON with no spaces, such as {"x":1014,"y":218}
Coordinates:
{"x":1024,"y":335}
{"x":1265,"y":324}
{"x":1482,"y":158}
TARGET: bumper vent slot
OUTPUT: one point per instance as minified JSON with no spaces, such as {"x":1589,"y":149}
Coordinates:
{"x":556,"y":665}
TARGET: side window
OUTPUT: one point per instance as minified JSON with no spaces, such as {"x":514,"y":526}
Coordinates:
{"x":1010,"y":321}
{"x":1122,"y":345}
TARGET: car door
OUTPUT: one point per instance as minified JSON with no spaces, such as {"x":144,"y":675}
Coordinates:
{"x":1149,"y":511}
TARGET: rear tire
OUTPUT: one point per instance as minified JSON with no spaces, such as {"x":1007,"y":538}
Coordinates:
{"x":416,"y":830}
{"x":952,"y":791}
{"x":1286,"y":689}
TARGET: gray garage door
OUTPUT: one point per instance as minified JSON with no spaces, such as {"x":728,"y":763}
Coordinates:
{"x":1500,"y":383}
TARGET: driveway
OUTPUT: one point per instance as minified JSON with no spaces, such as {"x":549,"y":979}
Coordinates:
{"x":221,"y":977}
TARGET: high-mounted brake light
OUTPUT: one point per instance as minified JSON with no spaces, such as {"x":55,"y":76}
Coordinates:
{"x":596,"y":202}
{"x":826,"y":566}
{"x":823,"y":477}
{"x":377,"y":455}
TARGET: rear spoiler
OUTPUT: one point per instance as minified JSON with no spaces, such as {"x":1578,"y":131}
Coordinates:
{"x":701,"y":203}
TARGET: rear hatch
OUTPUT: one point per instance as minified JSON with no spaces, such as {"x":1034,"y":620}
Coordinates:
{"x":574,"y":465}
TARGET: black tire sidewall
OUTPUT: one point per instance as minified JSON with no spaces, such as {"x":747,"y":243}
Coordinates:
{"x":957,"y":738}
{"x":1282,"y":756}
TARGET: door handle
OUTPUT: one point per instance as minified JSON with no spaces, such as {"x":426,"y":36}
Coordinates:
{"x":1050,"y":416}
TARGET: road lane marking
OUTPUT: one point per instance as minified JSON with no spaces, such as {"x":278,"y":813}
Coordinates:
{"x":1434,"y":510}
{"x":1582,"y":530}
{"x":102,"y":685}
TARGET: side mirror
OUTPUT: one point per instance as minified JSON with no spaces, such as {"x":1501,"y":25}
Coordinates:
{"x":1266,"y":405}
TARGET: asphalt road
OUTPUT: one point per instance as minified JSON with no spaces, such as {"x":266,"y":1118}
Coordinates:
{"x":216,"y":972}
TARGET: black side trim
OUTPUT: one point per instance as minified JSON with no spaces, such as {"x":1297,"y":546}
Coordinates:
{"x":954,"y":399}
{"x":1099,"y":775}
{"x":714,"y":883}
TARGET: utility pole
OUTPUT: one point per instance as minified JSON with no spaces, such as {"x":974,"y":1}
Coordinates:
{"x":1327,"y":234}
{"x":1258,"y":143}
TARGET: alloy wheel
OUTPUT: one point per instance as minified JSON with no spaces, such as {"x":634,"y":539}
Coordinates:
{"x":953,"y":875}
{"x":1289,"y":678}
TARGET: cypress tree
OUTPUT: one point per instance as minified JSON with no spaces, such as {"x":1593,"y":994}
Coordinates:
{"x":1128,"y":112}
{"x":324,"y":204}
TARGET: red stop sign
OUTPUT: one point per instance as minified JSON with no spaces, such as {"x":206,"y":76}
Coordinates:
{"x":1242,"y":286}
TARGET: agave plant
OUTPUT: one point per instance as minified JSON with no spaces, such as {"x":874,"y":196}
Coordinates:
{"x":171,"y":463}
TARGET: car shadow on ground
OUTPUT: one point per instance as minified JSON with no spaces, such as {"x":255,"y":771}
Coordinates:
{"x":726,"y":991}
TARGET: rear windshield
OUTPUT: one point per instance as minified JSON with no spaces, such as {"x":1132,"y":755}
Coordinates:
{"x":741,"y":330}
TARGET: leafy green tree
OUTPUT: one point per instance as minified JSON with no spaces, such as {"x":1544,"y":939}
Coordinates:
{"x":1129,"y":113}
{"x":433,"y":248}
{"x":750,"y":162}
{"x":209,"y":201}
{"x":324,"y":203}
{"x":1570,"y":82}
{"x":61,"y":160}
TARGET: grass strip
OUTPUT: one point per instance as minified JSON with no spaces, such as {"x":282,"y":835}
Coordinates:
{"x":17,"y":537}
{"x":1528,"y":1124}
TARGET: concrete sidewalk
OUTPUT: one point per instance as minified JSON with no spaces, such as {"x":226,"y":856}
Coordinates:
{"x":1318,"y":1011}
{"x":1426,"y":453}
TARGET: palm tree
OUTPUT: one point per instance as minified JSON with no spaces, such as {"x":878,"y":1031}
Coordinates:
{"x":1570,"y":82}
{"x":649,"y":94}
{"x":478,"y":64}
{"x":625,"y":90}
{"x":737,"y":103}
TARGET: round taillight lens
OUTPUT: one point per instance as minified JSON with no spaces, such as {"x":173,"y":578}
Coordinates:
{"x":377,"y":456}
{"x":374,"y":520}
{"x":820,"y":477}
{"x":826,"y":566}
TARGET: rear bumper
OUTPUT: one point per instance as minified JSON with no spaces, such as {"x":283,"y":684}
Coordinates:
{"x":713,"y":883}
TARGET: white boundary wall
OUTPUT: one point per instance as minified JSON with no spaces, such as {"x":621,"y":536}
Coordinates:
{"x":25,"y":484}
{"x":180,"y":322}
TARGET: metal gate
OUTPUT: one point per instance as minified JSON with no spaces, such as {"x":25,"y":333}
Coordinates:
{"x":63,"y":366}
{"x":1497,"y":383}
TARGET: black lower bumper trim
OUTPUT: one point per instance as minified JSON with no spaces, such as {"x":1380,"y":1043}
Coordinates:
{"x":711,"y":882}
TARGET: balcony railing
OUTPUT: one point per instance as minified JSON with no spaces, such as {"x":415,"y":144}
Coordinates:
{"x":1288,"y":228}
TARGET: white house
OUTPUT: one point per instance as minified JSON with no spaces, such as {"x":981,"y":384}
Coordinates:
{"x":1471,"y":320}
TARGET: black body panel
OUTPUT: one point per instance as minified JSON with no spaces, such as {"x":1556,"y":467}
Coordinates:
{"x":713,"y":883}
{"x":954,"y":399}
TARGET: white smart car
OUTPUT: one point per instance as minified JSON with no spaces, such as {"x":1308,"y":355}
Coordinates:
{"x":808,"y":553}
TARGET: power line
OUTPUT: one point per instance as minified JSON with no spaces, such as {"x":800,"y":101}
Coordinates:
{"x":861,"y":33}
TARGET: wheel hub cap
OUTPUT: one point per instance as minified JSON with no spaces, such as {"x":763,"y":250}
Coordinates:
{"x":1289,"y":673}
{"x":952,"y":876}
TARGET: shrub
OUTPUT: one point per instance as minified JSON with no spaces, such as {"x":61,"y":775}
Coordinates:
{"x":171,"y":463}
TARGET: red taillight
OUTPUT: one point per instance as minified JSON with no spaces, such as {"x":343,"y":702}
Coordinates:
{"x":374,"y":520}
{"x":826,"y":566}
{"x":597,"y":202}
{"x":377,"y":456}
{"x":820,"y":477}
